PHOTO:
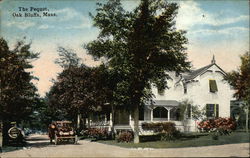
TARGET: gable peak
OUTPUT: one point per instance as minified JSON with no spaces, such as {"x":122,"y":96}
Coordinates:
{"x":213,"y":60}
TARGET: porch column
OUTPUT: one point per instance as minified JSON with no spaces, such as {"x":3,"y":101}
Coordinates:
{"x":130,"y":119}
{"x":151,"y":114}
{"x":105,"y":118}
{"x":110,"y":120}
{"x":78,"y":120}
{"x":169,"y":114}
{"x":168,"y":108}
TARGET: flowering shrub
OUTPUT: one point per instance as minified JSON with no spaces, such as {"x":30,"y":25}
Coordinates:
{"x":166,"y":130}
{"x":220,"y":125}
{"x":98,"y":133}
{"x":125,"y":136}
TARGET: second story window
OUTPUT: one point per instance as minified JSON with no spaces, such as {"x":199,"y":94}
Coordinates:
{"x":185,"y":89}
{"x":161,"y":91}
{"x":213,"y":86}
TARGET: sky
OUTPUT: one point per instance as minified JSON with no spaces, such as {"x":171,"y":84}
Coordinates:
{"x":214,"y":27}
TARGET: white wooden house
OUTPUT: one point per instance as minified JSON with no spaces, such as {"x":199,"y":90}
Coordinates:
{"x":204,"y":87}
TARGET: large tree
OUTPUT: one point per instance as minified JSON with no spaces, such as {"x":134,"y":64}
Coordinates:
{"x":17,"y":92}
{"x":18,"y":95}
{"x":240,"y":81}
{"x":78,"y":88}
{"x":140,"y":46}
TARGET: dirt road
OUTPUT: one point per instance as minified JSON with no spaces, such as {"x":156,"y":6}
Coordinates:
{"x":39,"y":147}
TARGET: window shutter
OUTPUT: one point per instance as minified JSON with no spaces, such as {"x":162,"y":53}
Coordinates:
{"x":189,"y":110}
{"x":207,"y":110}
{"x":216,"y":110}
{"x":213,"y":86}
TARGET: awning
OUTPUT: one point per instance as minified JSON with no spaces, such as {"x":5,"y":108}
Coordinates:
{"x":163,"y":103}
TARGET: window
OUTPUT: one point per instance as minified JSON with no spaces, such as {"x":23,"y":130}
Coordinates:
{"x":213,"y":86}
{"x":160,"y":112}
{"x":212,"y":110}
{"x":161,"y":91}
{"x":185,"y":89}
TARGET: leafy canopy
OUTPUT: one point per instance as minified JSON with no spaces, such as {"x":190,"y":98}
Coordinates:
{"x":140,"y":46}
{"x":78,"y":88}
{"x":17,"y":93}
{"x":240,"y":79}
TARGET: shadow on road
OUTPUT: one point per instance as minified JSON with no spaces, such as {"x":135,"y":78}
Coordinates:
{"x":38,"y":141}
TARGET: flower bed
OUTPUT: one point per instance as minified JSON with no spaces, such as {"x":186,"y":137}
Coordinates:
{"x":166,"y":130}
{"x":222,"y":126}
{"x":125,"y":136}
{"x":97,"y":133}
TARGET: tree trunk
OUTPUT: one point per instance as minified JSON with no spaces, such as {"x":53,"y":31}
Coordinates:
{"x":88,"y":121}
{"x":247,"y":116}
{"x":1,"y":136}
{"x":136,"y":123}
{"x":112,"y":120}
{"x":78,"y":122}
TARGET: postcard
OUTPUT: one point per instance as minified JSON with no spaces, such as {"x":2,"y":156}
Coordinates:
{"x":122,"y":78}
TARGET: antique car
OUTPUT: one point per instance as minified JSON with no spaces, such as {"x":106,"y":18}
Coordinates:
{"x":62,"y":131}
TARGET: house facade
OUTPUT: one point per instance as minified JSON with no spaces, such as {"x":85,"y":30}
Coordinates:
{"x":204,"y":87}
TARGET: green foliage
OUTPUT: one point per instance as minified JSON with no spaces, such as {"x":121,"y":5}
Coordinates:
{"x":125,"y":136}
{"x":140,"y":47}
{"x":166,"y":130}
{"x":240,"y":80}
{"x":17,"y":93}
{"x":186,"y":109}
{"x":67,"y":58}
{"x":97,"y":133}
{"x":219,"y":126}
{"x":79,"y":88}
{"x":187,"y":142}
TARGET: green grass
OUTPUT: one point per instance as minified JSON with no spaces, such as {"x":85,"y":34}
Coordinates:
{"x":11,"y":148}
{"x":188,"y":140}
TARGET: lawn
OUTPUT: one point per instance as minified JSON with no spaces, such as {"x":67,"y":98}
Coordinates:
{"x":187,"y":140}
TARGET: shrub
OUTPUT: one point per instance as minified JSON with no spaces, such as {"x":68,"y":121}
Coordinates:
{"x":125,"y":136}
{"x":97,"y":133}
{"x":222,"y":126}
{"x":166,"y":130}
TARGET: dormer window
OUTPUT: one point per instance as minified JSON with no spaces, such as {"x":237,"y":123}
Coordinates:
{"x":213,"y":86}
{"x":161,"y":91}
{"x":185,"y":89}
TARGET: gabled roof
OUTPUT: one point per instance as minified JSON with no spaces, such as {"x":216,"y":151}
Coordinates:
{"x":197,"y":72}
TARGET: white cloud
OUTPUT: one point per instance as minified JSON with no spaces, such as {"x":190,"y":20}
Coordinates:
{"x":20,"y":24}
{"x":227,"y":31}
{"x":66,"y":14}
{"x":190,"y":14}
{"x":45,"y":26}
{"x":84,"y":23}
{"x":217,"y":22}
